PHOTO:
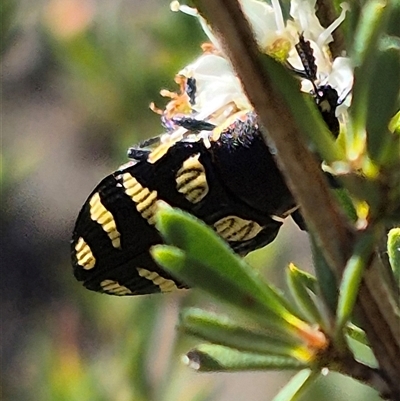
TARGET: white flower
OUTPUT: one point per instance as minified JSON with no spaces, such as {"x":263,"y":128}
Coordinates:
{"x":219,"y":93}
{"x":176,"y":6}
{"x":217,"y":87}
{"x":267,"y":24}
{"x":337,"y":73}
{"x":307,"y":23}
{"x":266,"y":21}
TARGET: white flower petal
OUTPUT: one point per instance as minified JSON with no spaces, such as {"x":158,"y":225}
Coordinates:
{"x":341,"y":77}
{"x":176,"y":6}
{"x":261,"y":17}
{"x":303,"y":14}
{"x":326,"y":36}
{"x":217,"y":85}
{"x":219,"y":93}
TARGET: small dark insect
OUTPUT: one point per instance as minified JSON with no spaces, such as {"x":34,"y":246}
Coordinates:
{"x":306,"y":54}
{"x":136,"y":153}
{"x":326,"y":97}
{"x":192,"y":124}
{"x":191,"y":90}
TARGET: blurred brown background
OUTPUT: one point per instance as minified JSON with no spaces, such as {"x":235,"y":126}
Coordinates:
{"x":77,"y":79}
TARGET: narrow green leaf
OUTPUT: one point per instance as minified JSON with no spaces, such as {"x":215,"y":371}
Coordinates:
{"x":370,"y":27}
{"x":382,"y":104}
{"x":217,"y":358}
{"x":351,"y":279}
{"x":393,"y":247}
{"x":196,"y":273}
{"x":210,"y":264}
{"x":297,"y":385}
{"x":358,"y":342}
{"x":307,"y":279}
{"x":369,"y":30}
{"x":326,"y":279}
{"x":362,"y":353}
{"x":298,"y":282}
{"x":346,"y":204}
{"x":393,"y":25}
{"x":394,"y":125}
{"x":222,"y":330}
{"x":356,"y":334}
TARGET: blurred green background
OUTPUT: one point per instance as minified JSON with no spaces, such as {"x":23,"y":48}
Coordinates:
{"x":77,"y":80}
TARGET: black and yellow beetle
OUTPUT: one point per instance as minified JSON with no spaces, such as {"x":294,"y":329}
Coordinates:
{"x":232,"y":183}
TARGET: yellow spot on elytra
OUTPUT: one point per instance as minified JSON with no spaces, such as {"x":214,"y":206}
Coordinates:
{"x":102,"y":216}
{"x":144,"y":199}
{"x":113,"y":287}
{"x":191,"y":179}
{"x":84,"y":255}
{"x":233,"y":228}
{"x":164,"y":284}
{"x":158,"y":152}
